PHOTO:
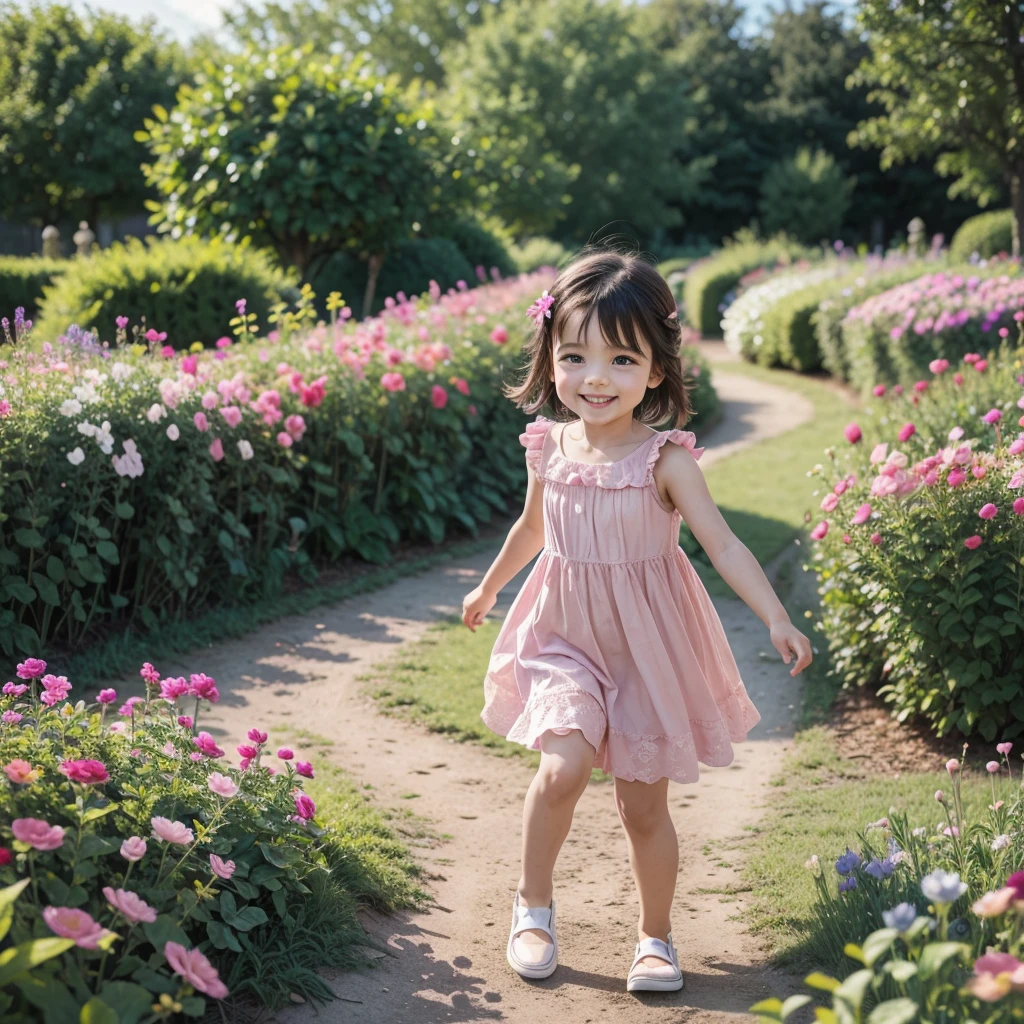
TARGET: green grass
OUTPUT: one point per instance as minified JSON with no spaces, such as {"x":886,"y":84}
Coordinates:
{"x":820,"y":804}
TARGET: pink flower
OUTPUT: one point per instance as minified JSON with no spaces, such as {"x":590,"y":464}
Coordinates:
{"x":841,"y":487}
{"x":222,"y":785}
{"x":126,"y":708}
{"x":304,"y":806}
{"x":189,"y":365}
{"x":31,"y":668}
{"x":829,"y":502}
{"x":217,"y":450}
{"x":191,"y":965}
{"x":938,"y":365}
{"x":173,"y":688}
{"x":438,"y":396}
{"x":285,"y":440}
{"x":6,"y":857}
{"x":89,"y":773}
{"x":168,"y":831}
{"x":15,"y":689}
{"x":185,"y":721}
{"x":995,"y":975}
{"x":981,"y":365}
{"x":21,"y":772}
{"x":988,"y":511}
{"x":978,"y":472}
{"x":956,"y":477}
{"x":878,"y":390}
{"x":971,"y":357}
{"x":38,"y":834}
{"x":313,"y":394}
{"x":920,"y":385}
{"x":973,"y":542}
{"x":992,"y":904}
{"x":201,"y":422}
{"x":862,"y":515}
{"x":285,"y":754}
{"x":820,"y":530}
{"x":296,"y":426}
{"x":204,"y":687}
{"x":257,"y":736}
{"x":130,"y":906}
{"x":907,"y":432}
{"x":992,"y":767}
{"x":247,"y":751}
{"x":1017,"y":446}
{"x":952,"y":766}
{"x":956,"y":433}
{"x":232,"y":415}
{"x":205,"y":742}
{"x":75,"y":924}
{"x":106,"y":696}
{"x":992,"y":416}
{"x":221,"y":868}
{"x":958,"y":378}
{"x":392,"y":382}
{"x":876,"y":539}
{"x":499,"y":335}
{"x":304,"y":768}
{"x":13,"y":718}
{"x":1004,"y":748}
{"x":223,"y":343}
{"x":852,"y":433}
{"x":541,"y":308}
{"x":460,"y":385}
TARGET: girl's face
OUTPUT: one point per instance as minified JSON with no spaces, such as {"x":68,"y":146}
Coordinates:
{"x":598,"y":381}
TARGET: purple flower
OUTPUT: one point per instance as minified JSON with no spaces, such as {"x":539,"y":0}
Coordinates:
{"x":880,"y":868}
{"x":847,"y":862}
{"x":847,"y":884}
{"x":901,"y":917}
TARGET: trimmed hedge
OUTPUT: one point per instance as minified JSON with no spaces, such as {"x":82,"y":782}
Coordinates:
{"x":535,"y":253}
{"x":187,"y":288}
{"x":22,"y":280}
{"x":988,"y":234}
{"x":708,"y":284}
{"x":481,"y":247}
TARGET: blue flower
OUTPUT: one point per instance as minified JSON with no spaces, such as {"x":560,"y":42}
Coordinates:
{"x":943,"y":886}
{"x":847,"y":862}
{"x":901,"y":917}
{"x":880,"y":868}
{"x":848,"y":883}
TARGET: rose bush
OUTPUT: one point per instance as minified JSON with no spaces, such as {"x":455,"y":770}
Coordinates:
{"x":939,"y":912}
{"x":126,"y":834}
{"x":920,"y":546}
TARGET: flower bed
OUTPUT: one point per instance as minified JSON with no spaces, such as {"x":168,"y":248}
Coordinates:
{"x":140,"y":869}
{"x":932,"y":915}
{"x":920,"y":543}
{"x":141,"y":485}
{"x":893,"y":336}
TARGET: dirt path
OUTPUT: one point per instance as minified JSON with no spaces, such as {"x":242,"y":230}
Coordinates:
{"x":448,"y":964}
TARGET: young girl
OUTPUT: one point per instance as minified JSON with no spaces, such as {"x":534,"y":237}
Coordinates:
{"x":612,"y":654}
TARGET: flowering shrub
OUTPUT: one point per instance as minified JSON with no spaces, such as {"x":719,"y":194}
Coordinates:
{"x":920,"y":543}
{"x":893,"y":336}
{"x":942,"y":910}
{"x":126,"y":835}
{"x":743,"y":324}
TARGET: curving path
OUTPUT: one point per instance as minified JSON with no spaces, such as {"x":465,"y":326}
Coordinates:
{"x":448,"y":964}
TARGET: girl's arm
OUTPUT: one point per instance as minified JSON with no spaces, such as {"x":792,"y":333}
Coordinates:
{"x":680,"y":478}
{"x":524,"y":541}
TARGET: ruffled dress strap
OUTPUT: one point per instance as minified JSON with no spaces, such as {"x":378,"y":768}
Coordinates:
{"x":685,"y":438}
{"x":533,"y":441}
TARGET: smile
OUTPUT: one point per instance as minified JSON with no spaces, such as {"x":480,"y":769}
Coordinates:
{"x":595,"y":400}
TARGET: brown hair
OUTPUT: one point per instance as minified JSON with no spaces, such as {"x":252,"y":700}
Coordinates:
{"x":632,"y":302}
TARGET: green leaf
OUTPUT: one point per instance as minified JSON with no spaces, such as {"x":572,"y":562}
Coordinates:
{"x":123,"y":510}
{"x":794,"y":1003}
{"x":936,"y":954}
{"x":246,"y":919}
{"x":107,"y":550}
{"x":822,"y":981}
{"x":222,"y":936}
{"x":901,"y":970}
{"x":893,"y":1011}
{"x":228,"y":905}
{"x":55,"y":569}
{"x":193,"y":1006}
{"x":97,"y":1012}
{"x":27,"y":955}
{"x":46,"y":589}
{"x":130,"y":1002}
{"x":853,"y":988}
{"x":280,"y":856}
{"x":8,"y":896}
{"x":877,"y":943}
{"x":154,"y":981}
{"x":20,"y":590}
{"x":854,"y":952}
{"x":824,"y":1015}
{"x":163,"y":930}
{"x":768,"y":1008}
{"x":28,"y":538}
{"x":50,"y":996}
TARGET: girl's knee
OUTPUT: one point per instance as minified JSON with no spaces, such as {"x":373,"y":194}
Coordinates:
{"x":565,"y":765}
{"x":642,"y":808}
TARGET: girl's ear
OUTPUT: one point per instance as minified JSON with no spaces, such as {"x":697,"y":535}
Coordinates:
{"x":656,"y":377}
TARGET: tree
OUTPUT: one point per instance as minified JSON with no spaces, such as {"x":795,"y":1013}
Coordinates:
{"x":567,"y":119}
{"x":306,"y":154}
{"x":951,"y":79}
{"x":73,"y":90}
{"x":407,"y":37}
{"x":805,"y":196}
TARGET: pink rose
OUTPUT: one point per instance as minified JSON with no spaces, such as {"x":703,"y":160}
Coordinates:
{"x":217,"y":450}
{"x":973,"y":542}
{"x":285,"y":754}
{"x":820,"y":530}
{"x":1018,"y":507}
{"x":461,"y":385}
{"x":499,"y":335}
{"x":201,"y":422}
{"x":206,"y":743}
{"x":876,"y":539}
{"x":168,"y":831}
{"x":69,"y":923}
{"x":852,"y":433}
{"x":988,"y":511}
{"x":992,"y":416}
{"x":304,"y":806}
{"x":257,"y":736}
{"x":304,"y":768}
{"x":222,"y":785}
{"x":285,"y":440}
{"x":296,"y":426}
{"x":952,"y":765}
{"x":247,"y":750}
{"x":392,"y":382}
{"x":191,"y":965}
{"x":907,"y":432}
{"x":38,"y":834}
{"x":106,"y":696}
{"x":878,"y":390}
{"x":221,"y":868}
{"x":438,"y":396}
{"x":232,"y":415}
{"x":31,"y":668}
{"x":89,"y":773}
{"x":129,"y":905}
{"x":862,"y":515}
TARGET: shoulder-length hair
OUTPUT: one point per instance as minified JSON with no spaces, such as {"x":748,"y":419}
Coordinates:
{"x":632,"y":302}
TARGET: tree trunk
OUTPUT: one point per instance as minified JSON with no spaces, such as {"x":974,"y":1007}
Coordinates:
{"x":1017,"y":206}
{"x":373,"y":266}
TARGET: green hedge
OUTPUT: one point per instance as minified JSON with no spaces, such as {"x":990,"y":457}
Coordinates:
{"x":22,"y":280}
{"x":708,"y":284}
{"x":789,"y":327}
{"x":534,"y":253}
{"x":988,"y":234}
{"x":186,"y":288}
{"x":481,"y":247}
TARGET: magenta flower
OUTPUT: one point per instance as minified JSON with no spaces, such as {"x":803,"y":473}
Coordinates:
{"x":988,"y":511}
{"x":38,"y":834}
{"x":285,"y":440}
{"x":392,"y":382}
{"x":304,"y":768}
{"x":952,"y":766}
{"x":304,"y":806}
{"x":285,"y":754}
{"x":185,"y":721}
{"x":217,"y":450}
{"x":499,"y":335}
{"x":257,"y":736}
{"x":461,"y":385}
{"x":11,"y":717}
{"x":89,"y":773}
{"x":992,"y":767}
{"x":173,"y":688}
{"x":191,"y":965}
{"x":57,"y":685}
{"x":820,"y":530}
{"x":221,"y":868}
{"x":232,"y":415}
{"x":69,"y":923}
{"x":852,"y":433}
{"x":126,"y":708}
{"x":130,"y":906}
{"x":907,"y":431}
{"x":878,"y":390}
{"x":956,"y":477}
{"x":1004,"y":748}
{"x":15,"y":689}
{"x":203,"y":687}
{"x":862,"y":515}
{"x":992,"y":416}
{"x":168,"y":831}
{"x":1018,"y":507}
{"x":206,"y":743}
{"x":541,"y":308}
{"x":133,"y":849}
{"x":876,"y":539}
{"x":189,"y":365}
{"x":438,"y":396}
{"x":938,"y":365}
{"x":222,"y":785}
{"x":31,"y":668}
{"x":973,"y":542}
{"x":201,"y":422}
{"x":106,"y":696}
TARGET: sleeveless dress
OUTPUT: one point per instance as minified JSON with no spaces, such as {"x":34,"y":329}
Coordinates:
{"x":613,"y":632}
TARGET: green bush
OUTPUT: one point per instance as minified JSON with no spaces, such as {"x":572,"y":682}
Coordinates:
{"x":986,"y":235}
{"x":22,"y":280}
{"x":482,"y":248}
{"x":186,"y":288}
{"x":409,"y":269}
{"x":534,"y":253}
{"x":789,"y":327}
{"x":709,"y":283}
{"x":806,"y":196}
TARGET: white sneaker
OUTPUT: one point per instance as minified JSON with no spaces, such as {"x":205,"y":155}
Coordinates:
{"x":519,"y":953}
{"x":665,"y":978}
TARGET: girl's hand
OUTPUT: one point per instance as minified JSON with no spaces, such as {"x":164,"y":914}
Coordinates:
{"x":786,"y":638}
{"x":475,"y":606}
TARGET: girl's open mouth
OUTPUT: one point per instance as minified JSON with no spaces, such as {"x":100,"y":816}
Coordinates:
{"x":597,"y":400}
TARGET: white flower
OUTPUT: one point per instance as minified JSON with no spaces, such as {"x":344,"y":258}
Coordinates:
{"x":86,"y":393}
{"x":943,"y":886}
{"x":245,"y":450}
{"x":171,"y":392}
{"x":129,"y":464}
{"x":812,"y":863}
{"x":1001,"y":842}
{"x":85,"y":427}
{"x":94,"y":376}
{"x":155,"y":413}
{"x":104,"y":438}
{"x":172,"y":432}
{"x":121,"y":371}
{"x":76,"y":457}
{"x":70,"y":407}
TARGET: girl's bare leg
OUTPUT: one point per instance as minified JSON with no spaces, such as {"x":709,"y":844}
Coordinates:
{"x":653,"y":854}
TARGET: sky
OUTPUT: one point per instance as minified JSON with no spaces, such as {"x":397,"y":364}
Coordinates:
{"x":188,"y":18}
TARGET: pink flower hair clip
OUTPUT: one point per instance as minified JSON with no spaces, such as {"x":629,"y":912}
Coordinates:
{"x":674,"y":315}
{"x":541,"y":308}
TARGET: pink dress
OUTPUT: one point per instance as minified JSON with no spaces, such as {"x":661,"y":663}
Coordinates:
{"x":613,"y":632}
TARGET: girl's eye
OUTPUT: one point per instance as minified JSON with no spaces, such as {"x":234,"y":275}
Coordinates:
{"x":571,"y":356}
{"x":628,"y":361}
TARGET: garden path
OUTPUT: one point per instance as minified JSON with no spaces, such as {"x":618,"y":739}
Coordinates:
{"x":447,"y":963}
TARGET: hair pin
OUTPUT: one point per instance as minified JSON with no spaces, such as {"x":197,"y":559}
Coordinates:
{"x":674,"y":315}
{"x":541,"y":308}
